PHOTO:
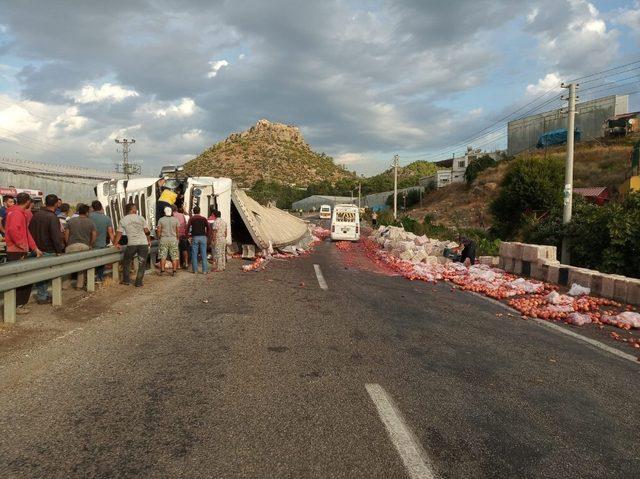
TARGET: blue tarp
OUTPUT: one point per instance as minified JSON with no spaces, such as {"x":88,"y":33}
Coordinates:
{"x":556,"y":137}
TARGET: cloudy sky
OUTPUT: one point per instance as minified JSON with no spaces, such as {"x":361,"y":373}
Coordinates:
{"x":363,"y":79}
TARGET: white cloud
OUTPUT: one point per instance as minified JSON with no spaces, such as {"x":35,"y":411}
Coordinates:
{"x":241,"y":56}
{"x":580,"y":43}
{"x":68,"y":122}
{"x":350,"y":158}
{"x":195,"y":134}
{"x":107,"y":92}
{"x":551,"y":81}
{"x":15,"y":120}
{"x":215,"y":67}
{"x":186,"y":107}
{"x":630,"y":17}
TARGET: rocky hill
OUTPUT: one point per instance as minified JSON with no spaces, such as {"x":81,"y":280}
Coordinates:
{"x":267,"y":151}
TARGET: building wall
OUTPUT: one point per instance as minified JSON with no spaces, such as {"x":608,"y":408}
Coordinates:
{"x":590,"y":115}
{"x":70,"y":190}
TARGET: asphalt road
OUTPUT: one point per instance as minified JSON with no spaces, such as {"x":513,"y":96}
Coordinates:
{"x":267,"y":375}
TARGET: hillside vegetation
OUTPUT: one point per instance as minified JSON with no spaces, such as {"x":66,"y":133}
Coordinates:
{"x":596,"y":163}
{"x":271,"y":152}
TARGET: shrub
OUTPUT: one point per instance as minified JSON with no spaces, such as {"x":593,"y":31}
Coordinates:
{"x":476,"y":166}
{"x":528,"y":186}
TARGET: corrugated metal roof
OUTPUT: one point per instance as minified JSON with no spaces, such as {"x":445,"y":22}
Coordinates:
{"x":591,"y":191}
{"x":52,"y":169}
{"x":268,"y":225}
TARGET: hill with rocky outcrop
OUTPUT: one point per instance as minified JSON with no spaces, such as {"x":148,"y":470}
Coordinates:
{"x":267,"y":151}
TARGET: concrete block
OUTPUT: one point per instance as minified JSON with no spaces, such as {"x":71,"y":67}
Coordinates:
{"x":508,"y":265}
{"x":633,"y":291}
{"x":620,"y":287}
{"x":517,"y":266}
{"x":530,"y":252}
{"x":608,"y":286}
{"x":596,"y":283}
{"x":505,"y":249}
{"x":539,"y":271}
{"x":517,"y":252}
{"x":550,"y":253}
{"x":581,"y":276}
{"x":553,"y":273}
{"x":495,"y":260}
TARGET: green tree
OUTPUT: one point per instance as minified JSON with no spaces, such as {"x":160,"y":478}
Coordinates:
{"x":476,"y":166}
{"x":529,"y":186}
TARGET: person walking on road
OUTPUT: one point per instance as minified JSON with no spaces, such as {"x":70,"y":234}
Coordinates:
{"x":45,"y":229}
{"x":219,"y":235}
{"x":168,"y":232}
{"x":199,"y":231}
{"x":138,"y":242}
{"x":20,"y":243}
{"x":104,"y":228}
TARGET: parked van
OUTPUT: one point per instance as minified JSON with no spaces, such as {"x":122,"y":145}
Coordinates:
{"x":345,"y":223}
{"x":325,"y":212}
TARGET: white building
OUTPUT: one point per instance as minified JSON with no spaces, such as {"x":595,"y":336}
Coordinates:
{"x":452,"y":174}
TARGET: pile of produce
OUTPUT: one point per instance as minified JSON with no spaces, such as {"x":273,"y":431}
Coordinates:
{"x":532,"y":298}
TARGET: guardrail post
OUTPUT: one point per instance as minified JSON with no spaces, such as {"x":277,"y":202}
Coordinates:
{"x":10,"y":306}
{"x":56,"y":291}
{"x":115,"y":272}
{"x":91,"y":280}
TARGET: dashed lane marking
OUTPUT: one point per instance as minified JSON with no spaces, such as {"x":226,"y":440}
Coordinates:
{"x":411,"y":452}
{"x":560,"y":329}
{"x":321,"y":281}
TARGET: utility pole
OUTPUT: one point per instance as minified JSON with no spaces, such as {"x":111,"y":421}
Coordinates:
{"x":127,"y":168}
{"x":568,"y":169}
{"x":396,"y":160}
{"x":359,"y":195}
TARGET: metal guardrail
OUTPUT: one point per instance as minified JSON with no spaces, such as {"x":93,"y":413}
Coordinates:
{"x":34,"y":270}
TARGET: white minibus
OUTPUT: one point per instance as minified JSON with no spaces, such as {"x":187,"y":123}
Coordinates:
{"x":345,"y":223}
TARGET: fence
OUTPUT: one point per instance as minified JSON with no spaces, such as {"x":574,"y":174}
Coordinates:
{"x":30,"y":271}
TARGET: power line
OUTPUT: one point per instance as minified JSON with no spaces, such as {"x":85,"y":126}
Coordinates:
{"x":609,"y":76}
{"x":603,"y":71}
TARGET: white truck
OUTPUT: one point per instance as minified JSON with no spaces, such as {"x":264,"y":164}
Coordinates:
{"x":147,"y":194}
{"x":345,"y":223}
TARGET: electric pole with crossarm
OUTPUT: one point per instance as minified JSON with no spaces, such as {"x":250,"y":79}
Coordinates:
{"x":127,"y":168}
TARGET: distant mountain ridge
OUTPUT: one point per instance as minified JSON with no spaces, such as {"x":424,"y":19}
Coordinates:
{"x":267,"y":151}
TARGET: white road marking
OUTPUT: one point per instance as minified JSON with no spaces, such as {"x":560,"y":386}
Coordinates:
{"x":321,"y":281}
{"x":568,"y":332}
{"x":411,"y":452}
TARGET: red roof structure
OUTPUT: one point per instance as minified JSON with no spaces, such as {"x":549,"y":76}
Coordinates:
{"x":594,"y":194}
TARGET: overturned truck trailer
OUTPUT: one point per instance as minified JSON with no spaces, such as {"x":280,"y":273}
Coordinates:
{"x":268,"y":228}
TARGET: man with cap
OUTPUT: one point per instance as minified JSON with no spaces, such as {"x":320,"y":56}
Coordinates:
{"x":168,"y":233}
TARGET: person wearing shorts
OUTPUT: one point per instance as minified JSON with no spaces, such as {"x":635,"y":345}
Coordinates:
{"x":168,"y":233}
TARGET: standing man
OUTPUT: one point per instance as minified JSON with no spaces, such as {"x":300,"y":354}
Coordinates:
{"x":45,"y":229}
{"x":183,"y":237}
{"x":104,"y":228}
{"x":20,"y":243}
{"x":168,"y":231}
{"x":199,"y":230}
{"x":374,"y":218}
{"x":80,"y":235}
{"x":219,"y":241}
{"x":138,"y":242}
{"x":7,"y":202}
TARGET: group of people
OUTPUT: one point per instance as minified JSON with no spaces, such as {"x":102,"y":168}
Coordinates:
{"x":51,"y":230}
{"x":187,"y":240}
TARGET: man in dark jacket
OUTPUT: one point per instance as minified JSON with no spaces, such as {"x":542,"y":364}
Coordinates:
{"x":45,"y":229}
